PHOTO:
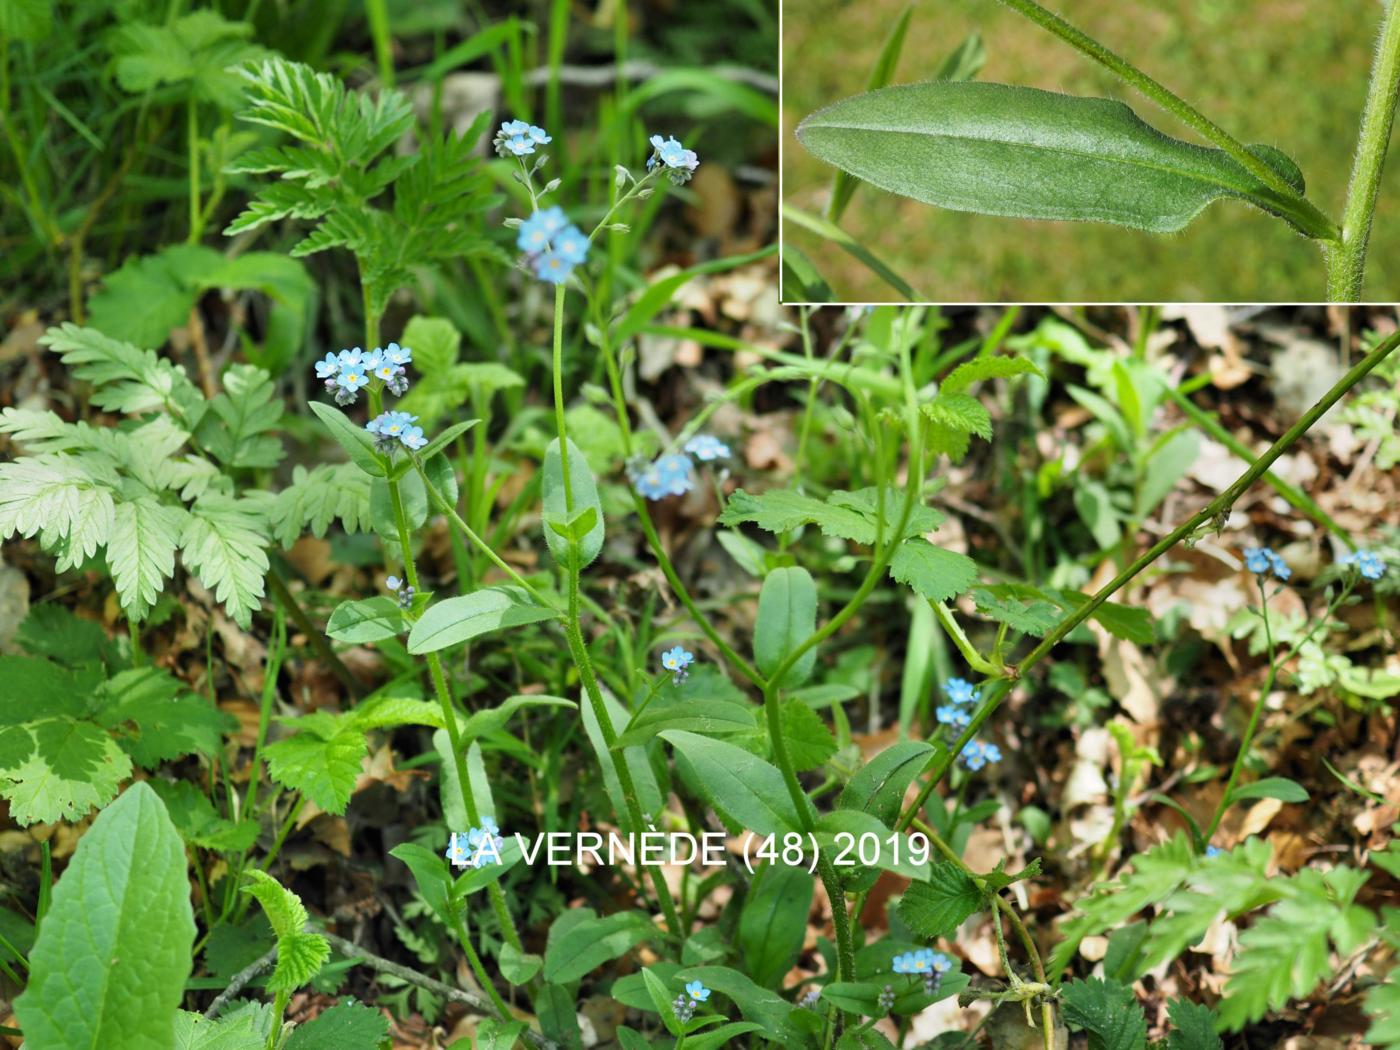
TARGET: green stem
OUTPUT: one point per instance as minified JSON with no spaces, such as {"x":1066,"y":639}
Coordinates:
{"x":1220,"y":505}
{"x":1299,"y":208}
{"x":192,"y":138}
{"x":377,"y":11}
{"x":474,"y":961}
{"x":1347,"y":261}
{"x":577,"y":649}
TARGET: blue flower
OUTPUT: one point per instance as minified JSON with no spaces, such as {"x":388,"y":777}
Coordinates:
{"x":952,"y":715}
{"x":976,"y":754}
{"x":697,"y":991}
{"x":351,"y":378}
{"x":386,"y":371}
{"x":486,"y":843}
{"x":671,"y":475}
{"x":553,"y":245}
{"x":327,"y":367}
{"x":516,"y":138}
{"x":457,"y":852}
{"x":1368,"y":563}
{"x":413,"y":438}
{"x":961,"y":691}
{"x":391,"y":427}
{"x":676,"y":661}
{"x":924,"y":960}
{"x":679,"y":162}
{"x":707,"y":448}
{"x":398,"y":355}
{"x":1262,"y":561}
{"x":393,"y":583}
{"x":1213,"y":851}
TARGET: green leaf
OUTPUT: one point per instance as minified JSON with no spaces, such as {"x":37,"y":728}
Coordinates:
{"x":109,"y":967}
{"x":300,"y":954}
{"x":236,"y":1031}
{"x":1035,"y":617}
{"x":195,"y":50}
{"x":592,"y":941}
{"x":584,"y":496}
{"x":847,"y":515}
{"x":125,"y":378}
{"x":356,"y":441}
{"x":518,"y":967}
{"x":466,"y":617}
{"x":879,"y":786}
{"x":1167,"y":465}
{"x":761,"y":1005}
{"x":435,"y":343}
{"x":141,"y":551}
{"x":432,"y":877}
{"x":648,"y":794}
{"x":1108,"y":1012}
{"x":709,"y":718}
{"x":495,"y":1034}
{"x":36,"y":789}
{"x":935,"y":573}
{"x":959,"y":413}
{"x":54,"y":497}
{"x":1194,"y":1027}
{"x":223,"y":545}
{"x":366,"y":620}
{"x":235,"y":429}
{"x":774,"y":922}
{"x":150,"y":294}
{"x":1281,"y":788}
{"x":787,"y":617}
{"x":809,"y":742}
{"x":938,"y":907}
{"x":1033,"y":154}
{"x":983,"y":368}
{"x":197,"y":822}
{"x":1383,"y":1007}
{"x":494,"y":719}
{"x":158,"y":719}
{"x":317,"y":497}
{"x":324,"y":770}
{"x":26,"y":19}
{"x":747,"y":791}
{"x":345,"y":1026}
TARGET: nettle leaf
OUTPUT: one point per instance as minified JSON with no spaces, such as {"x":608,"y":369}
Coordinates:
{"x":787,"y":617}
{"x":843,"y":515}
{"x":1194,"y":1026}
{"x":236,"y":1031}
{"x":324,"y":768}
{"x":158,"y":719}
{"x":1032,"y":154}
{"x":300,"y":954}
{"x":809,"y":742}
{"x":983,"y":368}
{"x":933,"y":572}
{"x":223,"y":544}
{"x":1107,"y":1011}
{"x":58,"y":769}
{"x":113,"y":953}
{"x":1035,"y":617}
{"x":345,"y":1026}
{"x":936,"y":908}
{"x":141,"y":551}
{"x":195,"y":818}
{"x":317,"y":497}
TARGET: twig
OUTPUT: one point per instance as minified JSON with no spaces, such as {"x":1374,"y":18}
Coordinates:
{"x":477,"y":1002}
{"x":240,"y":981}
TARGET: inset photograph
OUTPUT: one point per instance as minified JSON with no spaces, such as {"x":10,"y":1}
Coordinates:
{"x":972,"y":151}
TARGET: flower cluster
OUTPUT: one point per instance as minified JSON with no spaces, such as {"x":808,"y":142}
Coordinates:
{"x":389,"y":428}
{"x":674,"y":474}
{"x":402,"y":591}
{"x":350,"y":371}
{"x":552,"y":244}
{"x":925,"y":962}
{"x":886,"y":999}
{"x":1262,"y":561}
{"x":976,"y":754}
{"x":1368,"y":563}
{"x":684,"y":1005}
{"x":678,"y":162}
{"x":676,"y":661}
{"x":963,"y":698}
{"x":516,"y":138}
{"x":477,"y":847}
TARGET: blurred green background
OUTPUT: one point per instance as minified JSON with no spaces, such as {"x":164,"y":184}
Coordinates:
{"x":1291,"y":73}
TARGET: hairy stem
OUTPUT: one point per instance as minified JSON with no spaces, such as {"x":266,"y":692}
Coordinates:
{"x":1347,"y":261}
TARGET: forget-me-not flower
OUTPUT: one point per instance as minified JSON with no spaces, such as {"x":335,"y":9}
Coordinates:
{"x":1213,"y":851}
{"x":976,"y":754}
{"x":486,"y":843}
{"x":953,"y":715}
{"x":517,"y":138}
{"x":1262,"y":561}
{"x":697,"y":991}
{"x":676,"y":661}
{"x":458,"y":855}
{"x":707,"y":448}
{"x":1368,"y":563}
{"x":402,"y":591}
{"x":679,"y":162}
{"x":328,"y":366}
{"x":670,"y":475}
{"x":961,"y":691}
{"x":552,"y":244}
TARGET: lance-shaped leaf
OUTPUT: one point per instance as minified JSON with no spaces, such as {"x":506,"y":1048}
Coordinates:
{"x":1019,"y":151}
